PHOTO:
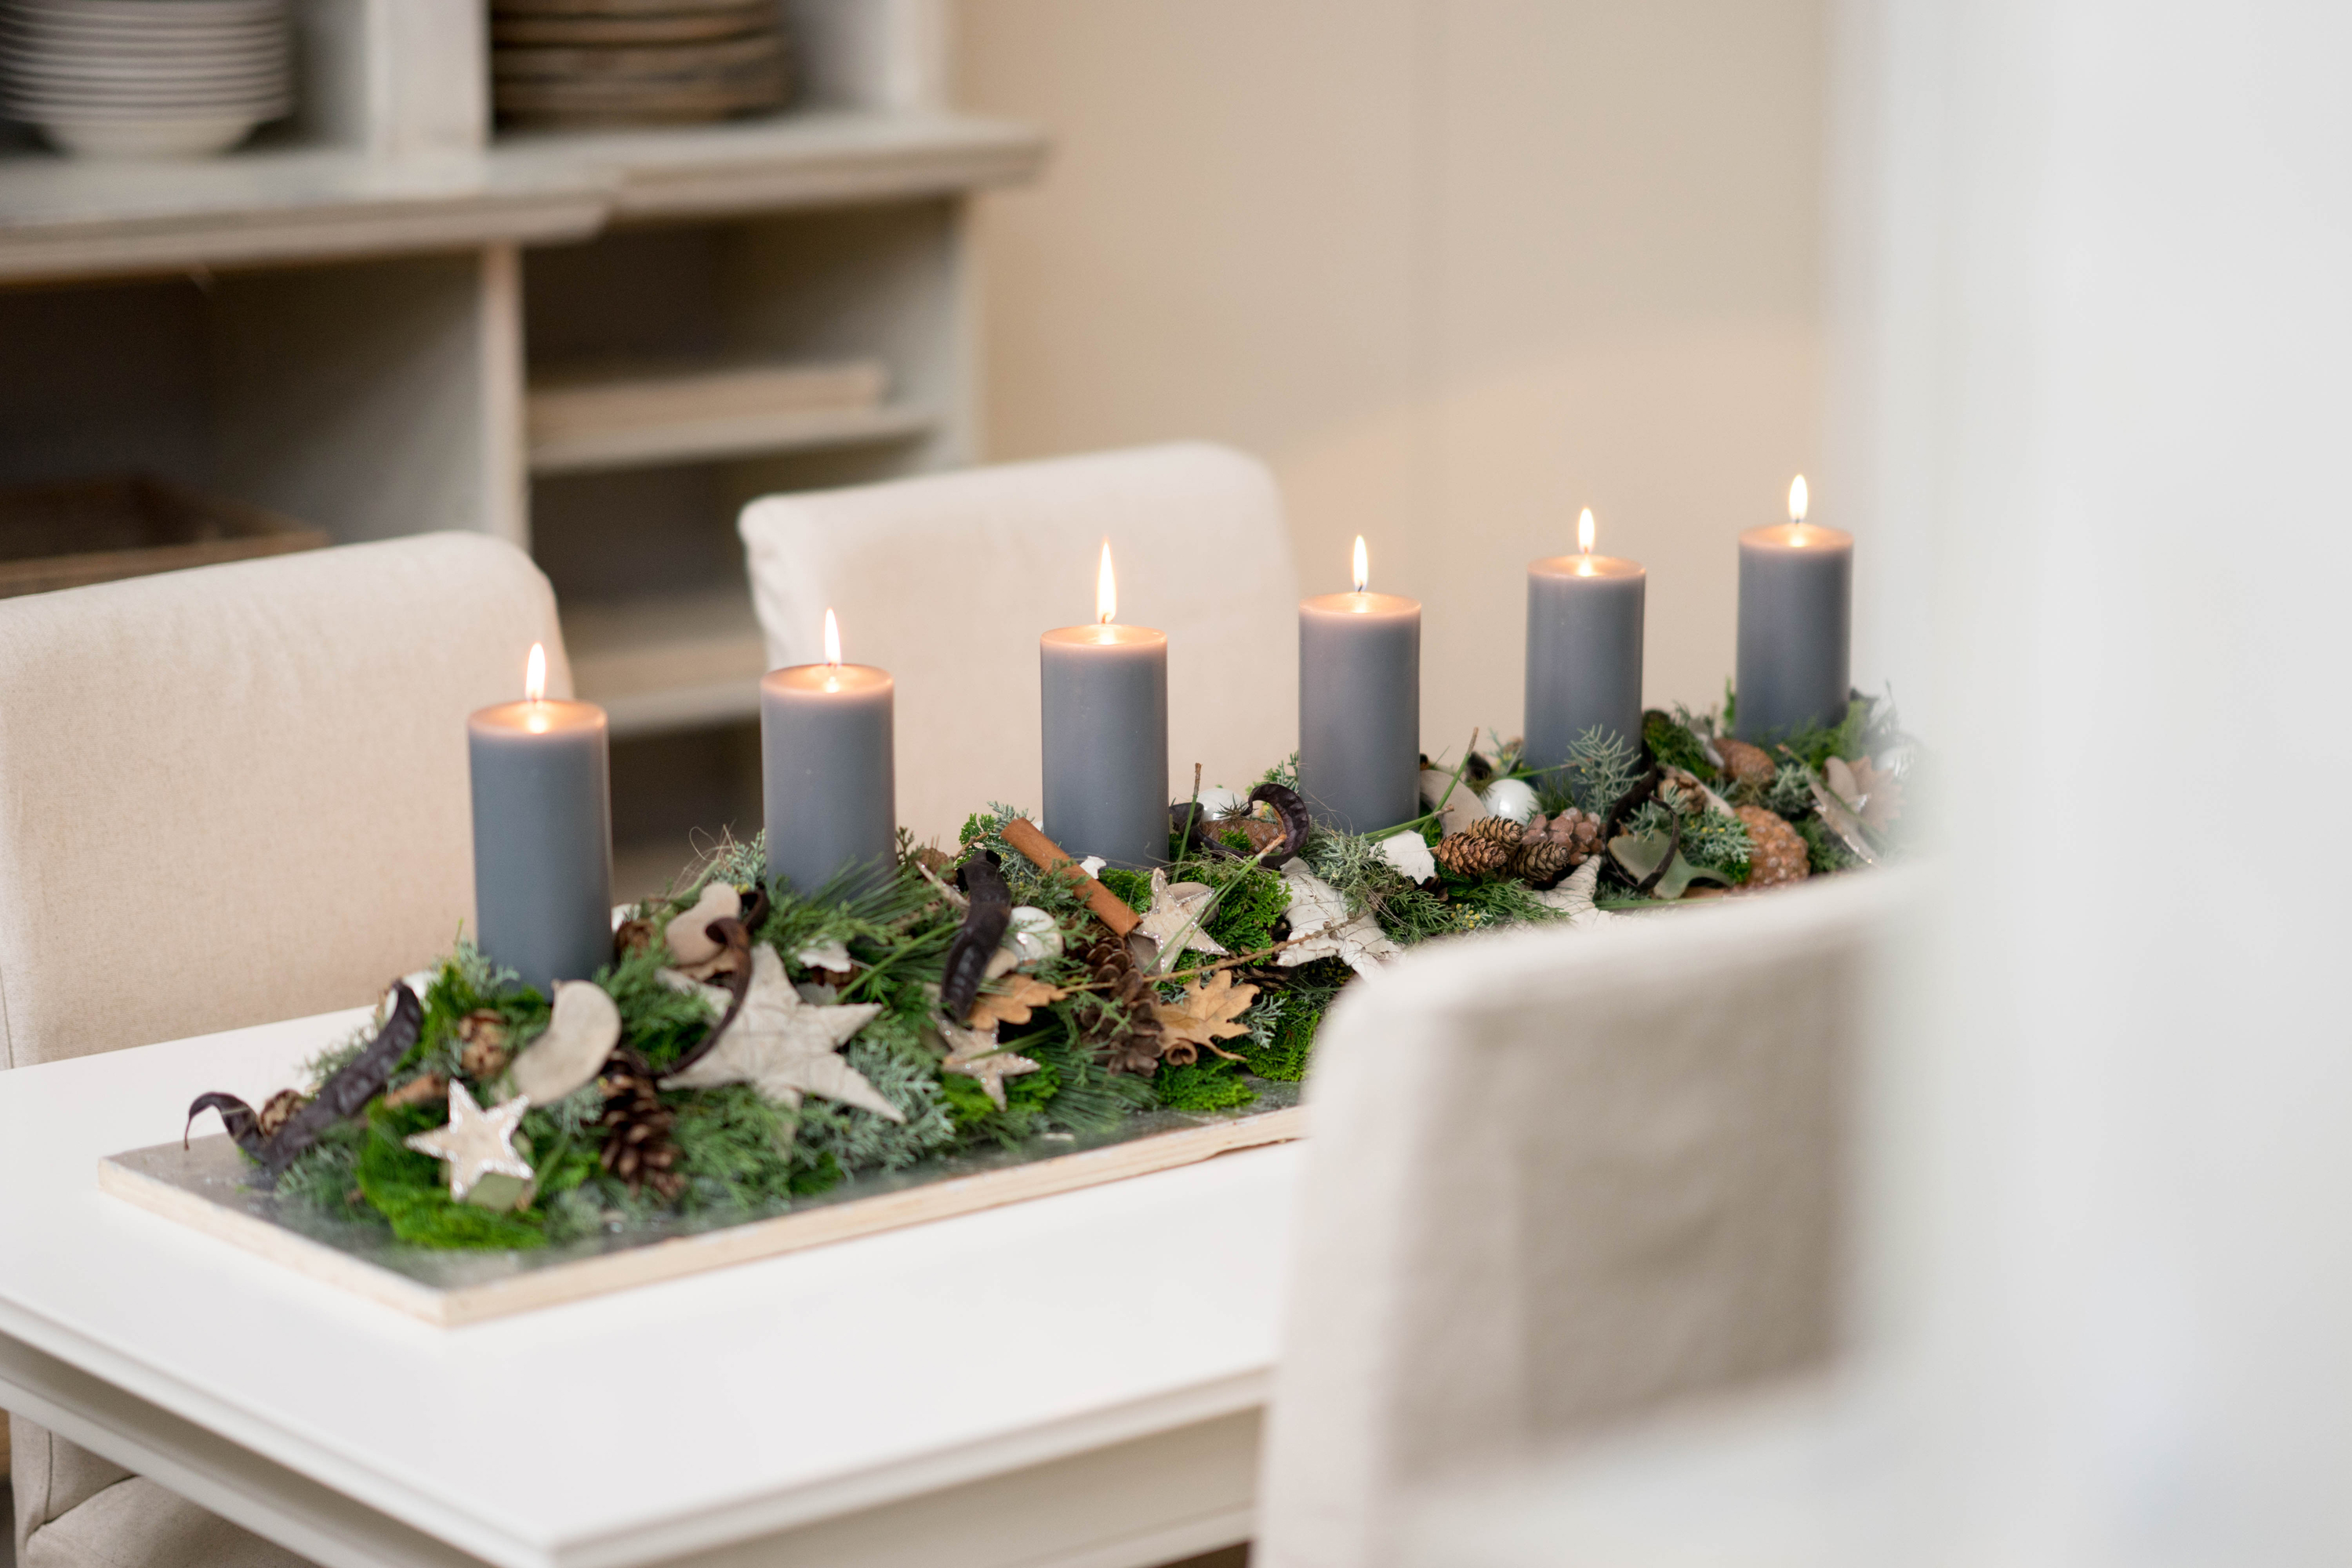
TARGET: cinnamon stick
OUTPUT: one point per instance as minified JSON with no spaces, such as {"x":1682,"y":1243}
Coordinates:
{"x":1049,"y":856}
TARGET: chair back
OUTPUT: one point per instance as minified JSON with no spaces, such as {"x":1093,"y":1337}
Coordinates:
{"x":947,"y":582}
{"x":239,"y":793}
{"x":1555,"y":1179}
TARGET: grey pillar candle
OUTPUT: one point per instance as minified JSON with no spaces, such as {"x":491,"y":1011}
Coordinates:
{"x":1796,"y":605}
{"x":1584,"y":649}
{"x":828,"y":775}
{"x":1360,"y":707}
{"x":543,"y":836}
{"x":1104,"y":693}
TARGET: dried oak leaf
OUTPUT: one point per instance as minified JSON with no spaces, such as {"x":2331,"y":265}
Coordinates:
{"x":1204,"y":1016}
{"x":1010,"y":1003}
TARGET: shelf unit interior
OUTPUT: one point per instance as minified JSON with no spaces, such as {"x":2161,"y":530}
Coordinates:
{"x":387,"y":314}
{"x":342,"y":395}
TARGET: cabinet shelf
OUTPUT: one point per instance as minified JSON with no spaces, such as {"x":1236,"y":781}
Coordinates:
{"x":625,"y":416}
{"x":63,"y":217}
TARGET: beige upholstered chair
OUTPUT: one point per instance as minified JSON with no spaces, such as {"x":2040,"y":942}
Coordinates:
{"x":272,"y":753}
{"x":947,"y":581}
{"x":1557,"y":1179}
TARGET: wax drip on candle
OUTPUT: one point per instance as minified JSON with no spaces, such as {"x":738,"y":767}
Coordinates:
{"x":1797,"y":500}
{"x":1364,"y":567}
{"x":1584,"y":542}
{"x":534,"y":689}
{"x":1106,"y":590}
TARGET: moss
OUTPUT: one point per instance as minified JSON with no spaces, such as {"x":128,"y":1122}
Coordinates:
{"x":1824,"y":850}
{"x":1025,"y":1099}
{"x":405,"y":1187}
{"x":1814,"y":744}
{"x":1213,"y":1084}
{"x":1133,"y":888}
{"x":1674,"y":744}
{"x":1250,"y":898}
{"x":1283,"y":1057}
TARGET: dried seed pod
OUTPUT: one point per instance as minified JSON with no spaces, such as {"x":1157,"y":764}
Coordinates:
{"x":636,"y":936}
{"x":1748,"y":764}
{"x":277,"y":1110}
{"x":345,"y":1095}
{"x":1290,"y":807}
{"x":984,"y":928}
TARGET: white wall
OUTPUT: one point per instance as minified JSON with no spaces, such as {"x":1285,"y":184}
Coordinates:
{"x":1456,"y":270}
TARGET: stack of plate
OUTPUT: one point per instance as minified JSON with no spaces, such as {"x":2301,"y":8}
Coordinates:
{"x":146,"y":79}
{"x":635,"y":62}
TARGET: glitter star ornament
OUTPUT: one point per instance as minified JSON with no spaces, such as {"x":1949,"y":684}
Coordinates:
{"x":477,"y":1142}
{"x":974,"y":1054}
{"x":785,"y":1046}
{"x":1175,"y":915}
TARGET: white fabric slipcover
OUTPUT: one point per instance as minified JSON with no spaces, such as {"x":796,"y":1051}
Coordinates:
{"x":947,"y":582}
{"x":228,"y":795}
{"x":1557,"y":1178}
{"x":238,"y":793}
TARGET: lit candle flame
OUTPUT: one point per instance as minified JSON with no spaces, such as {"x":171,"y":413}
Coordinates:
{"x":1363,"y":566}
{"x":1584,"y":531}
{"x":831,"y":639}
{"x":1797,"y":500}
{"x":1106,"y":590}
{"x":534,"y":675}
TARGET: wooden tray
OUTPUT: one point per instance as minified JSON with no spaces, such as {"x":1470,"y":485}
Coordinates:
{"x":203,"y":1185}
{"x":98,"y":530}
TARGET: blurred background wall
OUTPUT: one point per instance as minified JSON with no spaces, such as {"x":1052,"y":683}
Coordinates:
{"x":1453,"y":269}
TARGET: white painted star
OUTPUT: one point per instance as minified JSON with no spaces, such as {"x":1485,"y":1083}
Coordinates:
{"x":477,"y":1142}
{"x":974,"y":1054}
{"x":786,"y":1047}
{"x":1175,"y":915}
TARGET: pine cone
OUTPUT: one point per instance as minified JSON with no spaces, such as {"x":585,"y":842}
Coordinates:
{"x":1580,"y":830}
{"x":1118,"y":1021}
{"x":636,"y":1125}
{"x":1475,"y":855}
{"x":1748,"y":764}
{"x":1680,"y":789}
{"x":636,"y":936}
{"x":1542,"y":861}
{"x":1775,"y":853}
{"x":1502,"y":830}
{"x":484,"y":1052}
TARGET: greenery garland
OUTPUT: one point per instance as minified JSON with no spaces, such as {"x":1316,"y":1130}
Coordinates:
{"x":740,"y":1156}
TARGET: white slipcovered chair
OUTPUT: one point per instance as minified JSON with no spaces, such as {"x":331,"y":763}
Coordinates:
{"x":1556,"y":1180}
{"x":947,"y":582}
{"x":229,"y":795}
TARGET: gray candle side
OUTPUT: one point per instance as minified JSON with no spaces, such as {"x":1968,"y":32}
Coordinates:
{"x":1584,"y":657}
{"x":1796,"y":608}
{"x":1105,"y":713}
{"x":1360,"y":714}
{"x":542,"y":850}
{"x":828,"y":778}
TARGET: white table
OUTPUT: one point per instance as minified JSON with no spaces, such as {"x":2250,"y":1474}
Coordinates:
{"x":1074,"y":1381}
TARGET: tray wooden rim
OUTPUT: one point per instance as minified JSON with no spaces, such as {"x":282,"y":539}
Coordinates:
{"x":678,"y":1258}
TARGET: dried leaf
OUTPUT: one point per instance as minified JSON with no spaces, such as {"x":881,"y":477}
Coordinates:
{"x":1408,"y":851}
{"x":1012,"y":1001}
{"x":1204,"y":1016}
